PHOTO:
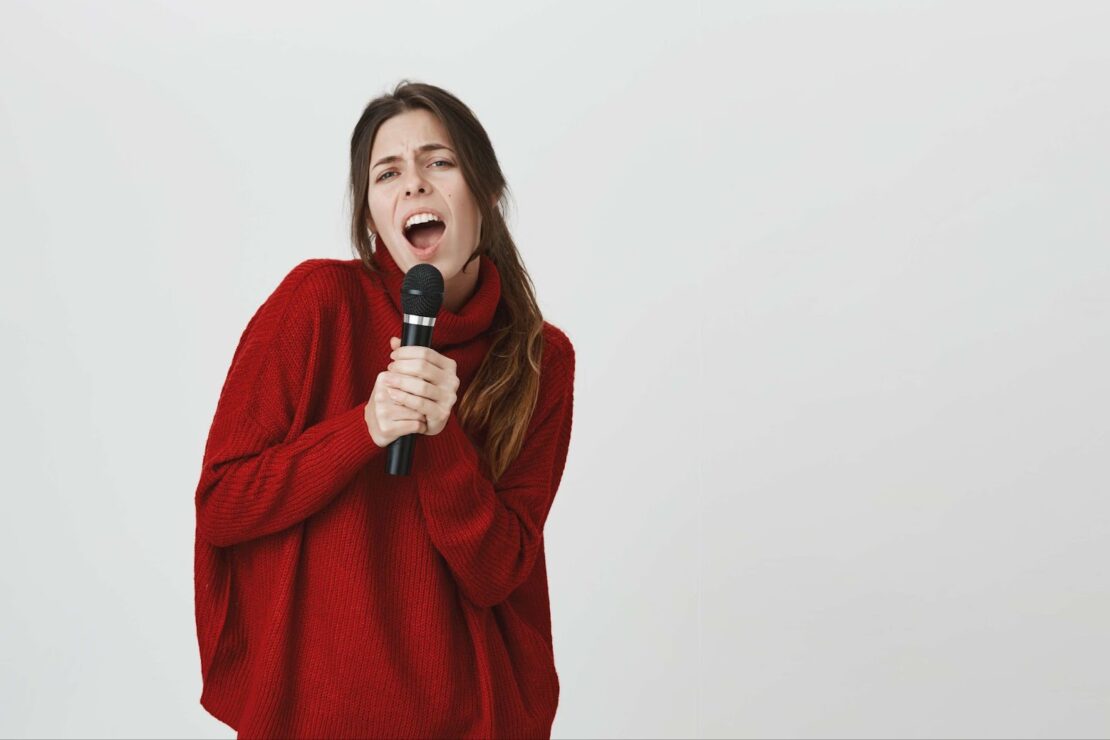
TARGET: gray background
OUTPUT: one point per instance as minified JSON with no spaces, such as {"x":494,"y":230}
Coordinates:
{"x":837,"y":275}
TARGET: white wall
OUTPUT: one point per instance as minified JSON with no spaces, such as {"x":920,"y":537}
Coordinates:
{"x":839,"y":465}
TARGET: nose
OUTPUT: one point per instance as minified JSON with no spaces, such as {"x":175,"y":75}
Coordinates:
{"x":414,"y":182}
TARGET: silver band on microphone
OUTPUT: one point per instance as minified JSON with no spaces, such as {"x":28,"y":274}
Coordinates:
{"x":411,"y":318}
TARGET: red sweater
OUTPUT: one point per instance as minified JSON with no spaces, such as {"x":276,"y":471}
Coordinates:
{"x":334,"y":600}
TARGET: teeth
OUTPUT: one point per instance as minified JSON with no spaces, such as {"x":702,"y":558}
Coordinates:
{"x":420,"y":218}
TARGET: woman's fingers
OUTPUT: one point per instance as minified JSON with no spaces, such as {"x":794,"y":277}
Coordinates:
{"x":416,"y":352}
{"x":406,"y":401}
{"x":409,"y":401}
{"x":425,"y":406}
{"x":428,"y":410}
{"x":415,"y":385}
{"x":424,"y":380}
{"x":417,"y":370}
{"x":386,"y":419}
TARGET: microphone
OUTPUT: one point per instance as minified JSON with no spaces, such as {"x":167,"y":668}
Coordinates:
{"x":421,"y":298}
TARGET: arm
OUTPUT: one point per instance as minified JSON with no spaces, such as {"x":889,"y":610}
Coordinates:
{"x":261,"y":474}
{"x":490,"y":536}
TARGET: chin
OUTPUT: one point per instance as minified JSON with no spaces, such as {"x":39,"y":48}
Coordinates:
{"x":449,"y":269}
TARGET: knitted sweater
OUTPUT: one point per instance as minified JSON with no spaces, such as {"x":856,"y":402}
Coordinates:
{"x":335,"y":600}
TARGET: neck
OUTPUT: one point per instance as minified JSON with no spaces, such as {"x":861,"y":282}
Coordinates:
{"x":457,"y":290}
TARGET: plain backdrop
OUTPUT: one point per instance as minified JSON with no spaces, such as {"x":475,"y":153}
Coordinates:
{"x":838,"y":279}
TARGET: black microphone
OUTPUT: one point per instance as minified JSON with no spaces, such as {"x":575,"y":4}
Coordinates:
{"x":421,"y":297}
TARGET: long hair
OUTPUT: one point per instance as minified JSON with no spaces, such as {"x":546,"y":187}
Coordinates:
{"x":502,"y":397}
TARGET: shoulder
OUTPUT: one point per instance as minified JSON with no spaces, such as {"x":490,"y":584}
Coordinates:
{"x":318,"y":278}
{"x":557,"y":345}
{"x":312,"y":294}
{"x":313,"y":289}
{"x":557,"y":365}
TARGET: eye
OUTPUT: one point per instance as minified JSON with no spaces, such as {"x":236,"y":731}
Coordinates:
{"x":389,"y":172}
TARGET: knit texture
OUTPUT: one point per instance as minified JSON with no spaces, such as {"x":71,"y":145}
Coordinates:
{"x":334,"y":600}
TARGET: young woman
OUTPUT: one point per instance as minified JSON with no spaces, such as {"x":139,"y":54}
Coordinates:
{"x":333,"y":599}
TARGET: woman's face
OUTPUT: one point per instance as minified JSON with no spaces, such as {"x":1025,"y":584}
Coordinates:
{"x":423,"y":179}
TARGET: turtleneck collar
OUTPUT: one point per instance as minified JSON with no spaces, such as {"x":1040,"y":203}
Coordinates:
{"x":472,"y":319}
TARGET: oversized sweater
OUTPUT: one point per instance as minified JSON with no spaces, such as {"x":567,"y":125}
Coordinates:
{"x":334,"y":600}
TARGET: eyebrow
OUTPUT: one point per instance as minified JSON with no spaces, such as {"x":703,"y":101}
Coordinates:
{"x":421,"y":149}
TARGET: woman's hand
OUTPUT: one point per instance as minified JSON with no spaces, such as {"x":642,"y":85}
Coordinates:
{"x":422,"y":380}
{"x":386,"y":419}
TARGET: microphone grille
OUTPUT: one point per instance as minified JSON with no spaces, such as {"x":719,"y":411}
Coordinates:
{"x":422,"y":290}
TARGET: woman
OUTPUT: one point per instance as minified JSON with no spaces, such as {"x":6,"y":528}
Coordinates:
{"x":332,"y":599}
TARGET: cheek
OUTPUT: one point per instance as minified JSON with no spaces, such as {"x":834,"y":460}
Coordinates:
{"x":378,"y":212}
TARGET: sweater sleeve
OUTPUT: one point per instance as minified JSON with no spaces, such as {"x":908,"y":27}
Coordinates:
{"x":261,"y":473}
{"x":491,"y":535}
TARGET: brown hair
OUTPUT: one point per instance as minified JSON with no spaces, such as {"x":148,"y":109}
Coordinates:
{"x":502,"y":396}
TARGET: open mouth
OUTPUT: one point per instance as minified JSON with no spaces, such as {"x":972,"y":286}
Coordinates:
{"x":426,"y":236}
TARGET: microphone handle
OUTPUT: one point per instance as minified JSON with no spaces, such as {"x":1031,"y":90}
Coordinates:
{"x":399,"y":453}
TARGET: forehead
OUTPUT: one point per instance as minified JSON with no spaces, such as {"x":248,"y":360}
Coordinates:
{"x":406,"y":131}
